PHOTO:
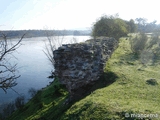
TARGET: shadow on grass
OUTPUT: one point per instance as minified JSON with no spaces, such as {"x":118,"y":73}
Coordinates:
{"x":106,"y":79}
{"x":130,"y":57}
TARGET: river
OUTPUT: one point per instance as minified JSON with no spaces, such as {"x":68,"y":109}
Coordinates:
{"x":33,"y":66}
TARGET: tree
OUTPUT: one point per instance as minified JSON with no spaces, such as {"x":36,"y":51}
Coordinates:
{"x":8,"y":70}
{"x":144,"y":26}
{"x":8,"y":109}
{"x":76,"y":33}
{"x":131,"y":26}
{"x":32,"y":92}
{"x":19,"y":102}
{"x":55,"y":40}
{"x":110,"y":26}
{"x":141,"y":21}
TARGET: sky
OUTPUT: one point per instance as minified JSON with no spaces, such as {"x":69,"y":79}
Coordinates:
{"x":71,"y":14}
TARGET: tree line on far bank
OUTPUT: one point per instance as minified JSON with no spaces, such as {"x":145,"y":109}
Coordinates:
{"x":42,"y":33}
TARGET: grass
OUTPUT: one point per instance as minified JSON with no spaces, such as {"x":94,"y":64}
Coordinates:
{"x":46,"y":104}
{"x":129,"y":93}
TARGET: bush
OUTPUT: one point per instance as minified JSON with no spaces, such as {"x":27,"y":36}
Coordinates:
{"x":138,"y":43}
{"x":147,"y":56}
{"x":32,"y":92}
{"x":58,"y":92}
{"x":154,"y":44}
{"x":19,"y":102}
{"x":8,"y":109}
{"x":40,"y":105}
{"x":37,"y":97}
{"x":1,"y":116}
{"x":154,"y":40}
{"x":110,"y":26}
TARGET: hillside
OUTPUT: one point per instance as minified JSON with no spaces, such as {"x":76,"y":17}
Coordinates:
{"x":129,"y":93}
{"x":43,"y":33}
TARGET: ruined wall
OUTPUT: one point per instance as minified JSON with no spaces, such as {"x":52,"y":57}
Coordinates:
{"x":79,"y":65}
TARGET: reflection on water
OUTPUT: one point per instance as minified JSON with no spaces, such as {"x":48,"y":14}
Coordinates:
{"x":33,"y":66}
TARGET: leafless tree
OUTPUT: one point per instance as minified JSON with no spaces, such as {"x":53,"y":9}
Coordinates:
{"x":7,"y":69}
{"x":55,"y":40}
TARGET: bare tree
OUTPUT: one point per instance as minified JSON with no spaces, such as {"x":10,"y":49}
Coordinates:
{"x":8,"y":70}
{"x":55,"y":40}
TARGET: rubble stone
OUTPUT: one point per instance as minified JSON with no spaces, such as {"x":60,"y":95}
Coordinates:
{"x":81,"y":64}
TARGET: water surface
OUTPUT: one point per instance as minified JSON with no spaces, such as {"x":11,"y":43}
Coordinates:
{"x":33,"y":66}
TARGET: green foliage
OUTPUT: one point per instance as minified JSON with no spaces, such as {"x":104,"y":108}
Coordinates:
{"x":7,"y":110}
{"x":45,"y":105}
{"x":154,"y":40}
{"x":110,"y":26}
{"x":37,"y":97}
{"x":154,"y":44}
{"x":138,"y":43}
{"x":132,"y":27}
{"x":146,"y":47}
{"x":58,"y":91}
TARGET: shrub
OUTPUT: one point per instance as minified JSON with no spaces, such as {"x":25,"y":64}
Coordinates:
{"x":37,"y":97}
{"x":110,"y":26}
{"x":1,"y":116}
{"x":147,"y":56}
{"x":19,"y":102}
{"x":7,"y":110}
{"x":154,"y":44}
{"x":58,"y":92}
{"x":40,"y":105}
{"x":138,"y":43}
{"x":32,"y":92}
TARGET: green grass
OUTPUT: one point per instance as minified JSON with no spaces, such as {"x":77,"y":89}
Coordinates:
{"x":129,"y":93}
{"x":47,"y":104}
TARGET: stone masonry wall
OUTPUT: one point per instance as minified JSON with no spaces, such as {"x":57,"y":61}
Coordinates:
{"x":81,"y":64}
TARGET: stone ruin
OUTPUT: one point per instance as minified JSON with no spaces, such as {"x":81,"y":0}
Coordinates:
{"x":81,"y":64}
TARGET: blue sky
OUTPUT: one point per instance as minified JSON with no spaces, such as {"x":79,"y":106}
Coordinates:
{"x":70,"y":14}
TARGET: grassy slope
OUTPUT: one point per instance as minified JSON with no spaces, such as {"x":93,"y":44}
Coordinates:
{"x":47,"y":104}
{"x":129,"y":93}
